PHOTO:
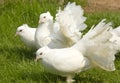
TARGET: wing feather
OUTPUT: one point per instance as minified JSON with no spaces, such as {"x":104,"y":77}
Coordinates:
{"x":71,"y":21}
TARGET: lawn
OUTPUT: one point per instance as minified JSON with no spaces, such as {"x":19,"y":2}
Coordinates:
{"x":17,"y":61}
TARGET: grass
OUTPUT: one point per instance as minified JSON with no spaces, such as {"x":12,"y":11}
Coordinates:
{"x":17,"y":61}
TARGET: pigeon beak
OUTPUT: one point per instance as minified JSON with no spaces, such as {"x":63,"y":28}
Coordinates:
{"x":16,"y":34}
{"x":37,"y":58}
{"x":40,"y":22}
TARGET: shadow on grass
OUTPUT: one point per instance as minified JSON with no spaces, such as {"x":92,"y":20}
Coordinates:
{"x":87,"y":79}
{"x":44,"y":77}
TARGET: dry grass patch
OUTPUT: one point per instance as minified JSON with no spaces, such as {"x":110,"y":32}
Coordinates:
{"x":94,"y":5}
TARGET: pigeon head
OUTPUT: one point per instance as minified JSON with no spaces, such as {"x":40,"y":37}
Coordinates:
{"x":21,"y":30}
{"x":45,"y":17}
{"x":41,"y":52}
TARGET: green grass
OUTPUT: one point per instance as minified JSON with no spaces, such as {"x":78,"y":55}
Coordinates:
{"x":17,"y":61}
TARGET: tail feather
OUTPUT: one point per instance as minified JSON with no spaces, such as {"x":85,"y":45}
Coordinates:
{"x":71,"y":21}
{"x":97,"y":46}
{"x":98,"y":29}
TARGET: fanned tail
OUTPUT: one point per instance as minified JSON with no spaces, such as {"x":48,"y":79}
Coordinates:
{"x":97,"y":46}
{"x":71,"y":21}
{"x":116,"y":31}
{"x":98,"y":29}
{"x":116,"y":38}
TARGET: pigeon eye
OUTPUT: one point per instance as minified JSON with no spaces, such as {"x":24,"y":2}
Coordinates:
{"x":44,"y":17}
{"x":41,"y":53}
{"x":20,"y":30}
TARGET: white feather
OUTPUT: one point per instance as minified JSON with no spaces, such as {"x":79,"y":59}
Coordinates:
{"x":65,"y":62}
{"x":96,"y":45}
{"x":71,"y":21}
{"x":53,"y":34}
{"x":47,"y":35}
{"x":117,"y":31}
{"x":94,"y":49}
{"x":116,"y":37}
{"x":26,"y":34}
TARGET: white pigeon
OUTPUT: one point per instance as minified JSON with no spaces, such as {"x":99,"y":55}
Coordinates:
{"x":27,"y":34}
{"x":65,"y":31}
{"x":94,"y":49}
{"x":65,"y":62}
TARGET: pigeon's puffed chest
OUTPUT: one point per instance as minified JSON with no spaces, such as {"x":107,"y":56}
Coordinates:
{"x":64,"y":62}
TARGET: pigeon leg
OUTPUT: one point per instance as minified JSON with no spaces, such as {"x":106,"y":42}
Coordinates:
{"x":69,"y":79}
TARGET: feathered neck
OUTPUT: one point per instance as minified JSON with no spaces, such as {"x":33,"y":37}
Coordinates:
{"x":48,"y":23}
